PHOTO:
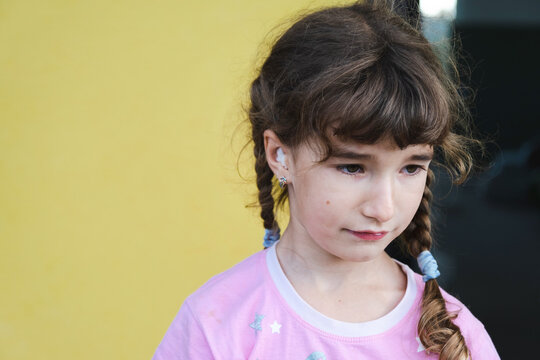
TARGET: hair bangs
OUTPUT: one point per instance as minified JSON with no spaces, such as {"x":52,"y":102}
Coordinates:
{"x":386,"y":101}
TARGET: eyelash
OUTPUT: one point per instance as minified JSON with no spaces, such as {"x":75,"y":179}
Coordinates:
{"x":360,"y":169}
{"x":418,"y":168}
{"x":343,"y":169}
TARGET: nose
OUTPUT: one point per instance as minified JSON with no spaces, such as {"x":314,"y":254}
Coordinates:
{"x":379,"y":203}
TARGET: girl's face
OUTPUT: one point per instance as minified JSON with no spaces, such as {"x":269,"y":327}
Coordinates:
{"x":353,"y":205}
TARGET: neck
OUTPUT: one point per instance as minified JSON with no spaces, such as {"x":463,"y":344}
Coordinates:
{"x":304,"y":261}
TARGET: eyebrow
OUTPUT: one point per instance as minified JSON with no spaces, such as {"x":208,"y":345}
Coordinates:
{"x":346,"y":154}
{"x":421,"y":157}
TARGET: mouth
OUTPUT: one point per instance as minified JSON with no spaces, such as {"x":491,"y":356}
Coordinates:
{"x":369,"y":235}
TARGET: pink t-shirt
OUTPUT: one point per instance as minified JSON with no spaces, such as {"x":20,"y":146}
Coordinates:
{"x":252,"y":311}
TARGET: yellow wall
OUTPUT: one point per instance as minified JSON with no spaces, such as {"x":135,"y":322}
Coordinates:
{"x":118,"y":187}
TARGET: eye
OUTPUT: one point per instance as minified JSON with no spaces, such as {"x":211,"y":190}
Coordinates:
{"x":351,"y":169}
{"x":412,"y":169}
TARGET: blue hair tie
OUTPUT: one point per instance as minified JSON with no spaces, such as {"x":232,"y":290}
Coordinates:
{"x":270,"y":237}
{"x":428,"y":266}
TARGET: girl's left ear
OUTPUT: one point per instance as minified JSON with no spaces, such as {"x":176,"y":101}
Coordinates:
{"x":277,"y":154}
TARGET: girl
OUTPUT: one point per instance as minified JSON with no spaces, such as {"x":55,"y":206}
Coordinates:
{"x":347,"y":112}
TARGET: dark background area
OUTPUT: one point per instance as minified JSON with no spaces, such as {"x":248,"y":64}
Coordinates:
{"x":492,"y":225}
{"x":487,"y":231}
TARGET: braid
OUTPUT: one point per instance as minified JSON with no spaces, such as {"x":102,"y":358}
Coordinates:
{"x":265,"y":186}
{"x":435,"y":328}
{"x":418,"y":234}
{"x":260,"y":122}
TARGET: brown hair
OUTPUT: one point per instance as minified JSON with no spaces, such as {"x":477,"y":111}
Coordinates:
{"x":361,"y":73}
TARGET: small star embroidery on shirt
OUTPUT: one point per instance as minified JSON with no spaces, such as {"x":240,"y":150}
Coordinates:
{"x":317,"y":355}
{"x":275,"y":327}
{"x":420,"y":345}
{"x":256,"y":325}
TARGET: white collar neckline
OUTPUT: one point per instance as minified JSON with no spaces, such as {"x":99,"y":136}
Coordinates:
{"x":337,"y":327}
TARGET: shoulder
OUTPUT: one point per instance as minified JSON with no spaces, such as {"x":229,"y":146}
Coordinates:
{"x":465,"y":319}
{"x":476,"y":337}
{"x":232,"y":286}
{"x":453,"y":305}
{"x":216,"y":308}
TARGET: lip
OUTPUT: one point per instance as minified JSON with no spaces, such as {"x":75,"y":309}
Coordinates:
{"x":369,"y":235}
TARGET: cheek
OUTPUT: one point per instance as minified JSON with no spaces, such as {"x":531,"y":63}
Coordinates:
{"x":330,"y":203}
{"x":411,"y":204}
{"x":317,"y":193}
{"x":321,"y":212}
{"x":321,"y":209}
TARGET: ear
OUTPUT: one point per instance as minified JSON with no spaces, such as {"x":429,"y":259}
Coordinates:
{"x":277,"y":160}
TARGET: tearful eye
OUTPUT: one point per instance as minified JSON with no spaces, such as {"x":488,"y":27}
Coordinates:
{"x":351,"y":169}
